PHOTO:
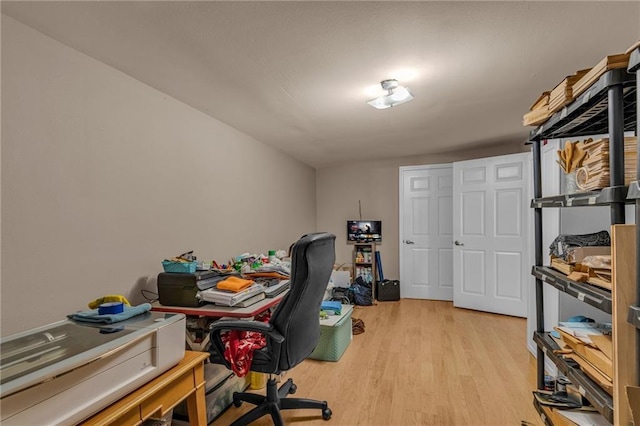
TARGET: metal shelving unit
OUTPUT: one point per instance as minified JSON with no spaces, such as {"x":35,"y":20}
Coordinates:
{"x":608,"y":106}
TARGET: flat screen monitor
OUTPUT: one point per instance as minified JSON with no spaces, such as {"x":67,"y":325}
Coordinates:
{"x":361,"y":231}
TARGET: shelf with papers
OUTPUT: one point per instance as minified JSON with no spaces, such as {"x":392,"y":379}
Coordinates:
{"x":588,"y":113}
{"x":603,"y":197}
{"x":601,"y":400}
{"x":588,"y":293}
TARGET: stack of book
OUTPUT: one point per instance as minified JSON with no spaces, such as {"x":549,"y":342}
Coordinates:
{"x":276,"y":289}
{"x":242,"y":298}
{"x":590,"y":345}
{"x":594,"y":173}
{"x":563,"y":94}
{"x":539,"y":111}
{"x":608,"y":63}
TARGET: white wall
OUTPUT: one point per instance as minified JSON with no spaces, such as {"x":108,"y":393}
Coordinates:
{"x":103,"y":177}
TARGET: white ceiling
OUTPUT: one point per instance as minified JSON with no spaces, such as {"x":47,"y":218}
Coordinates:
{"x":296,"y":75}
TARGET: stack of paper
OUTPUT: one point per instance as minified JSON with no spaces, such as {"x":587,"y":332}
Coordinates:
{"x":608,"y":63}
{"x":228,"y":298}
{"x":562,"y":94}
{"x":274,"y":290}
{"x":594,"y":173}
{"x":592,"y":349}
{"x":539,"y":111}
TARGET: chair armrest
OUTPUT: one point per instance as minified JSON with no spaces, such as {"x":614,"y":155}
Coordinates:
{"x":216,"y":349}
{"x":262,"y":327}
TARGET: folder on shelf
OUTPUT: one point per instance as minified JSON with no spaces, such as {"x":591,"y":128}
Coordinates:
{"x":539,"y":111}
{"x":578,"y":337}
{"x":608,"y":63}
{"x":563,"y":94}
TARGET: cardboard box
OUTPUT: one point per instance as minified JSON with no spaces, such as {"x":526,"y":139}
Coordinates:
{"x":575,"y":255}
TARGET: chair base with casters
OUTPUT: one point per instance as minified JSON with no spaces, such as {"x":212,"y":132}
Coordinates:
{"x":275,"y":401}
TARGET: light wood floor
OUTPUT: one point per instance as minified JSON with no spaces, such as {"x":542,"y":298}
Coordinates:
{"x":420,"y":362}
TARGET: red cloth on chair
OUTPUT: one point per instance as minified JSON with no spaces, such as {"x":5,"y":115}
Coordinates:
{"x":239,"y":346}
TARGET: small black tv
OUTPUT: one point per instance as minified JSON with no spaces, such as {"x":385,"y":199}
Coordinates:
{"x":364,"y":231}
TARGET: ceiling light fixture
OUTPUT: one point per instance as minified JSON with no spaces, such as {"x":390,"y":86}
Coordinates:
{"x":396,"y":95}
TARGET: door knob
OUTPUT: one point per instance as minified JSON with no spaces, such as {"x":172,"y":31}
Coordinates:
{"x":409,"y":242}
{"x":458,"y":243}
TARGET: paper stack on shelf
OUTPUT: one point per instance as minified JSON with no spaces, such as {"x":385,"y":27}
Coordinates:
{"x":229,"y":298}
{"x":579,"y":272}
{"x":608,"y":63}
{"x":591,"y":347}
{"x":594,"y":173}
{"x":562,"y":94}
{"x":539,"y":111}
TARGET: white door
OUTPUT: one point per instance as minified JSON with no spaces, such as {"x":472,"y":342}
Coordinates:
{"x":490,"y":258}
{"x":426,"y":230}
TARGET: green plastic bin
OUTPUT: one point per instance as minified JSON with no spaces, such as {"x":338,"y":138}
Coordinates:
{"x":335,"y":336}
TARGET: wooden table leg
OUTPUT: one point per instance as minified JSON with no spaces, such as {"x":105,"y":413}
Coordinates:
{"x":196,"y":407}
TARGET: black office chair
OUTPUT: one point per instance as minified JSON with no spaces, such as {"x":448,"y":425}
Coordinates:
{"x":291,"y":334}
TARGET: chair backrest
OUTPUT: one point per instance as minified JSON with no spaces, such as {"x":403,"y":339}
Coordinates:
{"x":297,"y":316}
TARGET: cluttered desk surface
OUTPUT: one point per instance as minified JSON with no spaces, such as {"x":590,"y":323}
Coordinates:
{"x":211,"y":310}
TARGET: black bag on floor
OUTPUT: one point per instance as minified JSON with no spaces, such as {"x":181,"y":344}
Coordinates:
{"x":388,"y":290}
{"x":361,"y":291}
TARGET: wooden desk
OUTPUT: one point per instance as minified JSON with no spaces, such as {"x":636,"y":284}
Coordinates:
{"x":185,"y":380}
{"x":216,"y":311}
